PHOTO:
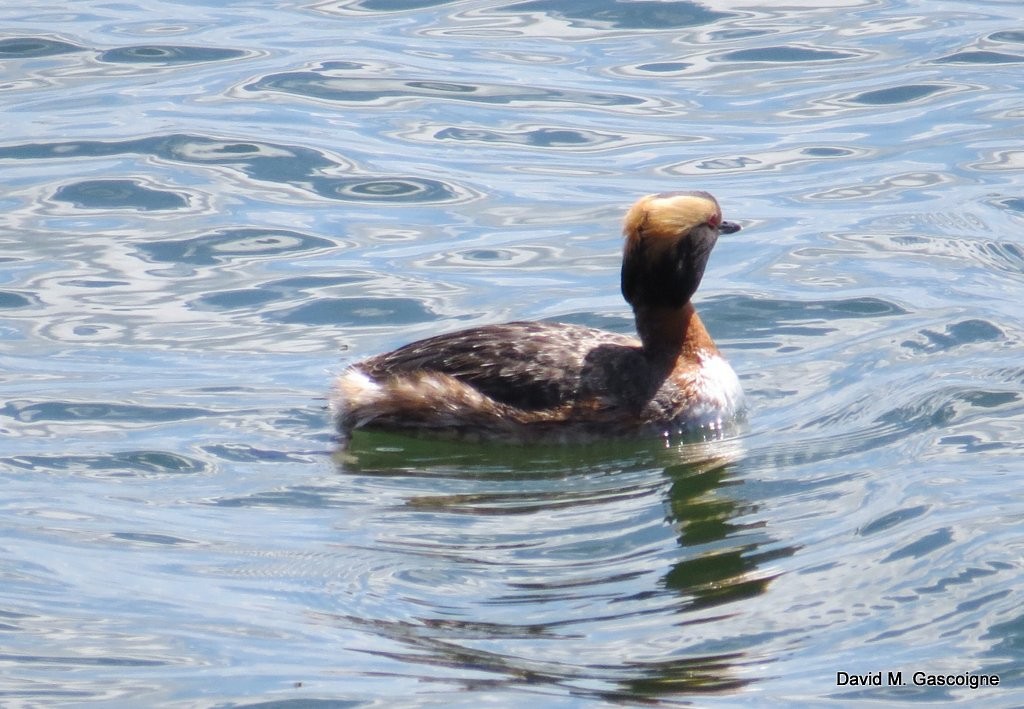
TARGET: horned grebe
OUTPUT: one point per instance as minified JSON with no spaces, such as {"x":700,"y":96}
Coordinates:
{"x":539,"y":381}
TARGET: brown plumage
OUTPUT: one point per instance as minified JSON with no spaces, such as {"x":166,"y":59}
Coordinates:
{"x":538,"y":381}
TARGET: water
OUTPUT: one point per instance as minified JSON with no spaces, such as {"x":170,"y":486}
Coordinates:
{"x":209,"y":207}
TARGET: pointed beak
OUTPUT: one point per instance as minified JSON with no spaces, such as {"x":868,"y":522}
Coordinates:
{"x":728,"y":228}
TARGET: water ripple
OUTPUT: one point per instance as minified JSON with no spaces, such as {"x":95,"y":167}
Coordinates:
{"x":956,"y":334}
{"x":231,"y":245}
{"x":303,"y":168}
{"x":141,"y":463}
{"x":785,"y":55}
{"x":98,"y":411}
{"x":539,"y":137}
{"x":807,"y":156}
{"x":609,"y":14}
{"x":356,"y":312}
{"x":555,"y":543}
{"x":168,"y":54}
{"x":906,"y":93}
{"x":354,"y":86}
{"x":119,"y":194}
{"x":12,"y":299}
{"x":31,"y":47}
{"x":980,"y":57}
{"x":202,"y":211}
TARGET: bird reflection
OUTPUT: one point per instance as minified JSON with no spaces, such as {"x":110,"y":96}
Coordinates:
{"x":568,"y":549}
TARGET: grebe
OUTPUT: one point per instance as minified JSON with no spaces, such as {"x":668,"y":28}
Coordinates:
{"x":553,"y":382}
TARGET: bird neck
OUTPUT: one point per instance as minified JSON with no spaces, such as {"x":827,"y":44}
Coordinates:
{"x":672,"y":333}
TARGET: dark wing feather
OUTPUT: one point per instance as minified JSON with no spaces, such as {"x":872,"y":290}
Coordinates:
{"x":529,"y":365}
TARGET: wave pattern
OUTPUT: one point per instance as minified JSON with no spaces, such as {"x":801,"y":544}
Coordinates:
{"x":204,"y":214}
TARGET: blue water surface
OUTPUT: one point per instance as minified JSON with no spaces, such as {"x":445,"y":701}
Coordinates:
{"x":209,"y":208}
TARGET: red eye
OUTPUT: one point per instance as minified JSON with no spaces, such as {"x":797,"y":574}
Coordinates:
{"x":714,"y":220}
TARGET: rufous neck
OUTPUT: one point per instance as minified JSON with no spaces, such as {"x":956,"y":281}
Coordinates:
{"x":672,"y":333}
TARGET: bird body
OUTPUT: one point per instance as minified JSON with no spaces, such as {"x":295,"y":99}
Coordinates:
{"x":554,"y":382}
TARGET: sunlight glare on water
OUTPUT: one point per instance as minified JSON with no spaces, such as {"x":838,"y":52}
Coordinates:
{"x":209,"y":209}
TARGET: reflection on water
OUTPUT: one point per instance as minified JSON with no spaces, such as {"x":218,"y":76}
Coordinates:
{"x":298,"y":167}
{"x":207,"y":214}
{"x":118,"y":194}
{"x":396,"y":92}
{"x":167,"y":54}
{"x":674,"y":525}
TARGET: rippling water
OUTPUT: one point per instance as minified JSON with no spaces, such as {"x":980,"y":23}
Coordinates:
{"x":209,"y":207}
